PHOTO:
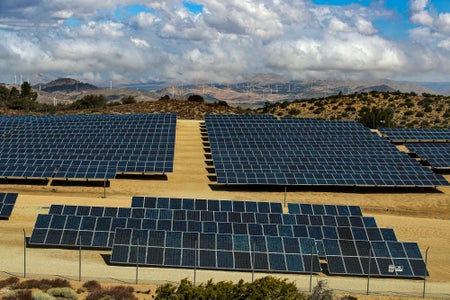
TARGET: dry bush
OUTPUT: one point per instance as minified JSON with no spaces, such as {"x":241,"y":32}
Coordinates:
{"x":116,"y":292}
{"x":43,"y":284}
{"x":20,"y":295}
{"x":10,"y":281}
{"x":65,"y":292}
{"x":92,"y":285}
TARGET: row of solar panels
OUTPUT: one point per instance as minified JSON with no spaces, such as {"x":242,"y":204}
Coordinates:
{"x":212,"y":216}
{"x":265,"y":253}
{"x":436,"y":154}
{"x":415,"y":134}
{"x":430,"y":145}
{"x":7,"y":203}
{"x":230,"y":229}
{"x":314,"y":168}
{"x":61,"y":147}
{"x":229,"y":154}
{"x":229,"y":177}
{"x":221,"y":251}
{"x":244,"y":206}
{"x":206,"y":204}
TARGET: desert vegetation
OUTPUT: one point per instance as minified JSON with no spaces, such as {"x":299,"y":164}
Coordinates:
{"x":263,"y":288}
{"x":373,"y":109}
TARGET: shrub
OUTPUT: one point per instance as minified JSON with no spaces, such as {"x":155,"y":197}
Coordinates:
{"x":42,"y":296}
{"x":10,"y":281}
{"x":195,"y":98}
{"x":294,"y":111}
{"x":264,"y":288}
{"x":128,"y":100}
{"x":92,"y":285}
{"x":321,"y":291}
{"x":116,"y":292}
{"x":43,"y":284}
{"x":20,"y":295}
{"x":64,"y":292}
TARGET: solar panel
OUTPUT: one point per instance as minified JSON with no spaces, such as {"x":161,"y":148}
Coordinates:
{"x":7,"y":203}
{"x":386,"y":258}
{"x":416,"y":134}
{"x":166,"y":234}
{"x":87,"y":146}
{"x":436,"y":154}
{"x":206,"y":204}
{"x":217,"y":251}
{"x":303,"y":152}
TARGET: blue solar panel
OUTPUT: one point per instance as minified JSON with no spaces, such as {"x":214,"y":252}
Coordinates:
{"x":386,"y":258}
{"x":217,"y":251}
{"x":88,"y":146}
{"x":278,"y":242}
{"x":416,"y":134}
{"x":7,"y":203}
{"x":295,"y":152}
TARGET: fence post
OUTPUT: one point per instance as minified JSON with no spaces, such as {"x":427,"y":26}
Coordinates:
{"x":425,"y":272}
{"x":137,"y":259}
{"x":24,"y":254}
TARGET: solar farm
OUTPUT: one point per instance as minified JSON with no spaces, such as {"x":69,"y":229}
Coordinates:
{"x":83,"y":147}
{"x":431,"y":146}
{"x":266,"y":151}
{"x":233,"y":235}
{"x":240,"y":194}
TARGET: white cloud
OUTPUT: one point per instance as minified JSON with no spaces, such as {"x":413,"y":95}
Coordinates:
{"x":364,"y":26}
{"x":243,"y":17}
{"x":63,"y":14}
{"x":139,"y":42}
{"x":443,"y":23}
{"x":229,"y":40}
{"x":422,"y":18}
{"x":145,"y":20}
{"x":445,"y":44}
{"x":418,"y":5}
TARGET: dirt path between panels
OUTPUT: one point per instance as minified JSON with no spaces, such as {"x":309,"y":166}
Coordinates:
{"x":422,"y":217}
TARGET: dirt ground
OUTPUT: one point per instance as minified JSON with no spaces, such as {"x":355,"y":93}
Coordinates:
{"x":419,"y":215}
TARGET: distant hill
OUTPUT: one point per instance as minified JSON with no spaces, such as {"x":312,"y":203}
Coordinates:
{"x":65,"y":85}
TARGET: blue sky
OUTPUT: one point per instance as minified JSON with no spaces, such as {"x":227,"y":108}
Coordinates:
{"x":225,"y":41}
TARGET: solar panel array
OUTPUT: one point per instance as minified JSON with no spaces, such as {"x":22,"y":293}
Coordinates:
{"x":7,"y":202}
{"x":224,"y":234}
{"x":436,"y":154}
{"x":386,"y":258}
{"x":214,"y":251}
{"x":86,"y":146}
{"x":430,"y":145}
{"x":261,"y":150}
{"x":416,"y":134}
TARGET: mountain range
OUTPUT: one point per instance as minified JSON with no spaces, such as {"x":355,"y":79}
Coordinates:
{"x":255,"y":91}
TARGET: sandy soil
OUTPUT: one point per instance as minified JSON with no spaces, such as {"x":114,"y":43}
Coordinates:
{"x":421,"y":216}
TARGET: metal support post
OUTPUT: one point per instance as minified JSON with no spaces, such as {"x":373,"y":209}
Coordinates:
{"x":137,"y":259}
{"x":24,"y":254}
{"x":425,"y":272}
{"x":368,"y":273}
{"x":311,"y":267}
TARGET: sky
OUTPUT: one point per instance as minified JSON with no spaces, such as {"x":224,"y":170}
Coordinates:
{"x":224,"y":41}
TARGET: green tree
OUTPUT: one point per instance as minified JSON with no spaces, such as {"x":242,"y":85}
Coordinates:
{"x":89,"y":101}
{"x":195,"y":98}
{"x":128,"y":100}
{"x":264,"y":288}
{"x":4,"y":93}
{"x":376,"y":117}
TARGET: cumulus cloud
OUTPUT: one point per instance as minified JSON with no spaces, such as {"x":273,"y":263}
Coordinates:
{"x":225,"y":42}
